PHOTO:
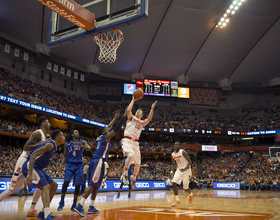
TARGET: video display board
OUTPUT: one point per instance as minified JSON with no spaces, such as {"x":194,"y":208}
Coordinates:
{"x":156,"y":87}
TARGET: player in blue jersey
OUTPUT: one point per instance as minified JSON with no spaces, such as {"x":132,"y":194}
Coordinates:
{"x":35,"y":177}
{"x":73,"y":155}
{"x":130,"y":173}
{"x":96,"y":167}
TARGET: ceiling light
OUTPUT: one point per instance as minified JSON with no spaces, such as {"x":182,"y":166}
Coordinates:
{"x":230,"y":11}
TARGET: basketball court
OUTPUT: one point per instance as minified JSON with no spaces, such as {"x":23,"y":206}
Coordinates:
{"x":207,"y":205}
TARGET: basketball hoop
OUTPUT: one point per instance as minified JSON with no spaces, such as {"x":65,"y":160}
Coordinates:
{"x":108,"y":44}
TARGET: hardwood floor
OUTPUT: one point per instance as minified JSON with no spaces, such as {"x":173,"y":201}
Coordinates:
{"x":146,"y":205}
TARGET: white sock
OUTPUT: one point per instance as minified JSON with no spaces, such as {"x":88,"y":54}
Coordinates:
{"x":82,"y":201}
{"x":125,"y":172}
{"x":92,"y":202}
{"x":32,"y":207}
{"x":47,"y":211}
{"x":177,"y":197}
{"x":37,"y":194}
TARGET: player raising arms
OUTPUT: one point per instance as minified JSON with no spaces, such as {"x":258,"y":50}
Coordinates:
{"x":97,"y":165}
{"x":183,"y":172}
{"x":17,"y":181}
{"x":73,"y":154}
{"x":130,"y":144}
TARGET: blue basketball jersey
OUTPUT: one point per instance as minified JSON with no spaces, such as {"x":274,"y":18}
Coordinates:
{"x":44,"y":160}
{"x":74,"y":152}
{"x":102,"y":148}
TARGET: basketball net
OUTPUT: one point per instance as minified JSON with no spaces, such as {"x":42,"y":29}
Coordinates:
{"x":108,"y":44}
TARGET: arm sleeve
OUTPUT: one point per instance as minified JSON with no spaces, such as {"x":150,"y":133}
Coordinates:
{"x":118,"y":125}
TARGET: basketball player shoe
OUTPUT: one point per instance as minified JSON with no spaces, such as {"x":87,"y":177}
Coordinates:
{"x":41,"y":215}
{"x":79,"y":209}
{"x":92,"y":210}
{"x":177,"y":202}
{"x":33,"y":213}
{"x":190,"y":198}
{"x":125,"y":180}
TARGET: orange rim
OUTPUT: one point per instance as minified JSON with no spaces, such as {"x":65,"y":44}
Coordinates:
{"x":96,"y":37}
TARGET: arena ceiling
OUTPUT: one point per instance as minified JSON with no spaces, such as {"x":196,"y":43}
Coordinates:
{"x":178,"y":41}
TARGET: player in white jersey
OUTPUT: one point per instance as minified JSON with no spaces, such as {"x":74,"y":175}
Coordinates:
{"x":183,"y":172}
{"x":18,"y":180}
{"x":130,"y":144}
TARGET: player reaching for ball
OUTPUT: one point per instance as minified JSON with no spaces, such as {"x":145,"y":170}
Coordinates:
{"x":130,"y":144}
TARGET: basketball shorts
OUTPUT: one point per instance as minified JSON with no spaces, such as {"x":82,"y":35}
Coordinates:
{"x":182,"y":176}
{"x":39,"y":177}
{"x":17,"y":181}
{"x":76,"y":170}
{"x":96,"y":172}
{"x":130,"y":146}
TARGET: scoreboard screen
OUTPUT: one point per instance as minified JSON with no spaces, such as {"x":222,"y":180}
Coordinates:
{"x":156,"y":87}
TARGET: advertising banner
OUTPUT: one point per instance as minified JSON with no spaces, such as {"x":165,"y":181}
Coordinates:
{"x":49,"y":110}
{"x":226,"y":185}
{"x":110,"y":185}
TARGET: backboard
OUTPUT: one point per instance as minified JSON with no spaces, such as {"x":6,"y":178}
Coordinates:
{"x":109,"y":15}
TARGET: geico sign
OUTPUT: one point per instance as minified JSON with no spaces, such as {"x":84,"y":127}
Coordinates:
{"x":228,"y":185}
{"x":3,"y":186}
{"x":117,"y":185}
{"x":144,"y":184}
{"x":159,"y":185}
{"x":227,"y":193}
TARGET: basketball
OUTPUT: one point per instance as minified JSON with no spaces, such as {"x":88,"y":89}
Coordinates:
{"x":138,"y":94}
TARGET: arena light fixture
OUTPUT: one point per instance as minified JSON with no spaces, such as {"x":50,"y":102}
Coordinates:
{"x":234,"y":6}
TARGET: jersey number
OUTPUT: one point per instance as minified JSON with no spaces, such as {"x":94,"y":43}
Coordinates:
{"x":137,"y":126}
{"x":178,"y":161}
{"x":74,"y":152}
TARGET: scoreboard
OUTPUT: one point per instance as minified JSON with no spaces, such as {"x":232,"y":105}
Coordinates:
{"x":156,"y":87}
{"x":162,"y":88}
